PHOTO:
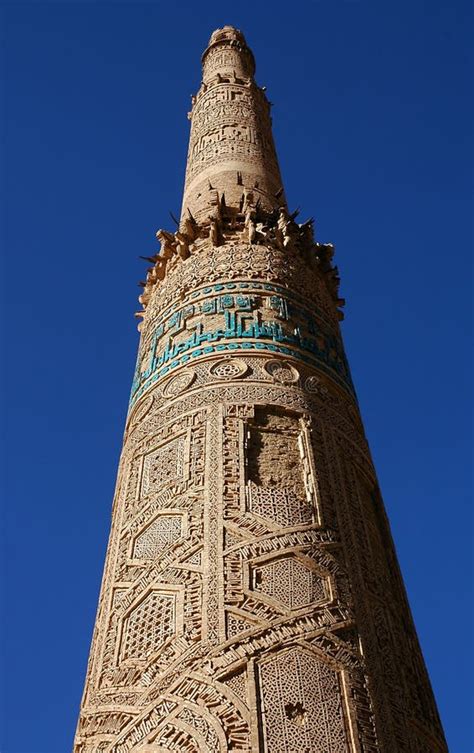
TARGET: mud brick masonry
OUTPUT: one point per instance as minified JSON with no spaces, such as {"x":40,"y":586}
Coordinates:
{"x":251,"y":598}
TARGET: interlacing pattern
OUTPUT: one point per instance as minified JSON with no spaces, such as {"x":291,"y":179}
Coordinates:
{"x":289,"y":582}
{"x":163,"y":465}
{"x":165,"y":530}
{"x":148,"y":626}
{"x":302,"y":709}
{"x":251,"y":599}
{"x":281,"y":505}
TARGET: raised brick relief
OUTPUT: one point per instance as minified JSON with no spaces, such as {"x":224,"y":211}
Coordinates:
{"x":164,"y":530}
{"x":301,"y":705}
{"x":290,"y":582}
{"x":251,"y":599}
{"x":163,"y":465}
{"x":148,"y":626}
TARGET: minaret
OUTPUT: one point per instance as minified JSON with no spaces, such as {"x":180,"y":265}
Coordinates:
{"x":251,"y":598}
{"x":231,"y":145}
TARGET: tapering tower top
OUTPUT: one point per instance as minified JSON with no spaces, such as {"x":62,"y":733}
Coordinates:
{"x":231,"y":156}
{"x":238,"y":59}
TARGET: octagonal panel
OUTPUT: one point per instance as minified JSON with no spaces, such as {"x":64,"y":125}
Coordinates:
{"x":149,"y":625}
{"x":290,"y":582}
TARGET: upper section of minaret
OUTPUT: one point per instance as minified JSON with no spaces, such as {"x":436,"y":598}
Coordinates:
{"x":238,"y":60}
{"x":231,"y":156}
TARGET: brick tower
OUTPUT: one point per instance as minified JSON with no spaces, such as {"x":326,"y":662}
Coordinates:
{"x":251,"y":598}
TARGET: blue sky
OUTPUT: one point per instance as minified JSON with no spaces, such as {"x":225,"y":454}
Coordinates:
{"x":372,"y":116}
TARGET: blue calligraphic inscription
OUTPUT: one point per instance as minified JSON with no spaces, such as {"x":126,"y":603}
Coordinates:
{"x":280,"y":305}
{"x":173,"y":321}
{"x":227,"y":301}
{"x":177,"y":320}
{"x":244,"y":302}
{"x":324,"y":349}
{"x":209,"y":306}
{"x":221,"y":303}
{"x":289,"y":296}
{"x":246,"y":324}
{"x":305,"y":358}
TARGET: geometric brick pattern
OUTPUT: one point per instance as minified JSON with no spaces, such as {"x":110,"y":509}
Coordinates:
{"x":149,"y":625}
{"x":251,"y":598}
{"x":301,"y":699}
{"x":165,"y":530}
{"x":163,"y":465}
{"x":290,"y":582}
{"x":280,"y":505}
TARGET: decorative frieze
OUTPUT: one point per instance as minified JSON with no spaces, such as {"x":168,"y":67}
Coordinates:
{"x":251,"y":598}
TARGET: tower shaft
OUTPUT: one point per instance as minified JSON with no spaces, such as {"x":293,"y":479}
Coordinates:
{"x":231,"y":143}
{"x":251,"y":598}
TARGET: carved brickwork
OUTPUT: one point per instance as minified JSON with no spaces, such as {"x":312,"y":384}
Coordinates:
{"x":301,"y":701}
{"x":251,"y":599}
{"x":148,"y":626}
{"x":279,"y":486}
{"x":163,"y":466}
{"x":289,"y":582}
{"x":164,"y":530}
{"x":231,"y":136}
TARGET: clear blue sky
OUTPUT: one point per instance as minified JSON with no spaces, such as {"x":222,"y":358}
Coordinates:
{"x":372,"y":124}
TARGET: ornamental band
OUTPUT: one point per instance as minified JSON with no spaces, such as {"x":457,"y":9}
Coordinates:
{"x":251,"y":598}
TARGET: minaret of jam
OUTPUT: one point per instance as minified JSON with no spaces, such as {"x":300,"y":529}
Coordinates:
{"x":251,"y":598}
